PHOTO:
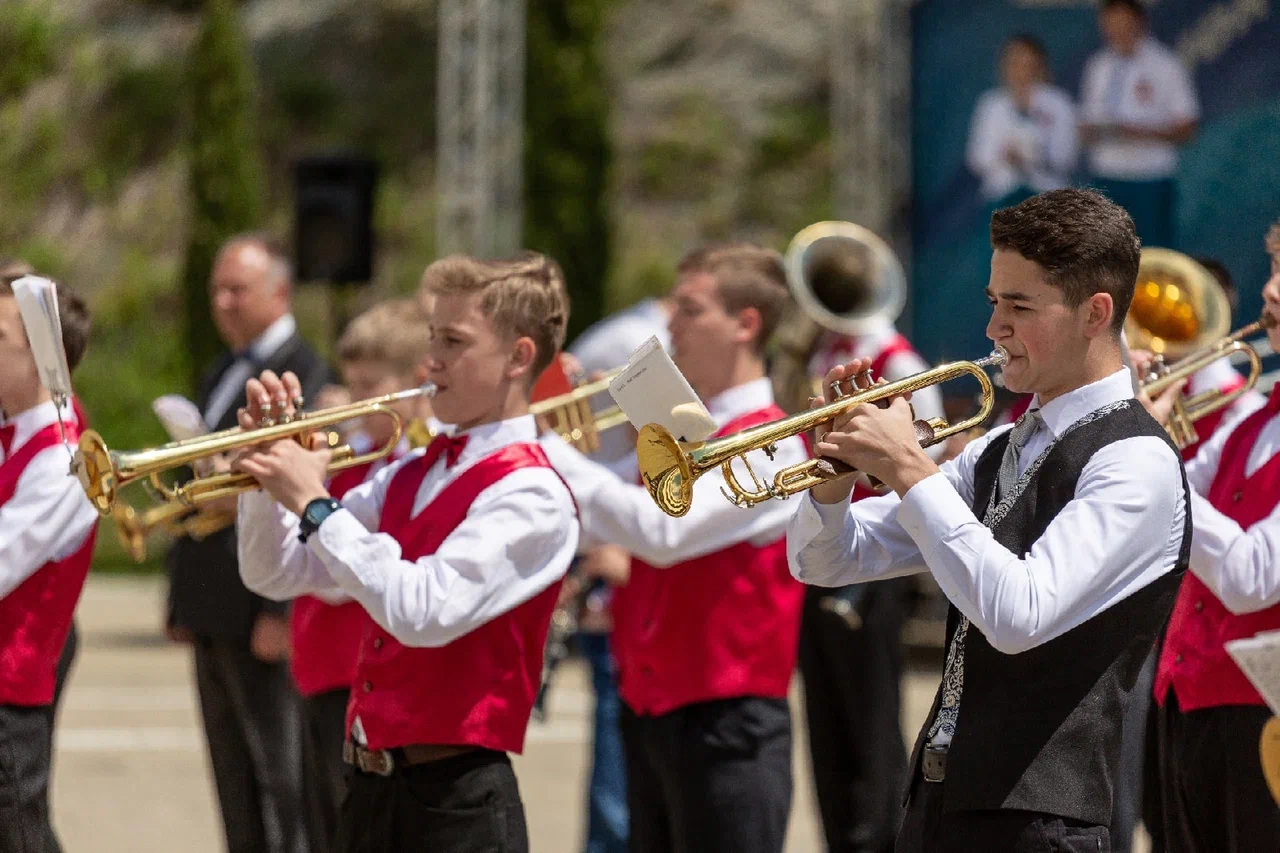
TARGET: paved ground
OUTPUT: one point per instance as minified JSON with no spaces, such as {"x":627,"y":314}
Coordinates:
{"x":131,"y":774}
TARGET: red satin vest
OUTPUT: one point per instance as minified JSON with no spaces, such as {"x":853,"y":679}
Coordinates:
{"x":325,"y":638}
{"x":36,"y":617}
{"x":1194,"y":662}
{"x":716,"y":627}
{"x":479,"y":689}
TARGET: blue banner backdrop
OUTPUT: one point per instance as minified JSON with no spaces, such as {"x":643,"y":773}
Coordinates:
{"x":1229,"y":176}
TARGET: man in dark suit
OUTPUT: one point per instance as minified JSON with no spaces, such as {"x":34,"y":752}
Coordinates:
{"x":239,"y":639}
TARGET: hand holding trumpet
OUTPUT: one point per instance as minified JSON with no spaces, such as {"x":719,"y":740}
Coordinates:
{"x":879,"y":440}
{"x":290,"y":472}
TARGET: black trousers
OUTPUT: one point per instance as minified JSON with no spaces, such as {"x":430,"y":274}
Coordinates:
{"x":469,"y":803}
{"x":852,"y":700}
{"x":324,"y":773}
{"x":927,"y":829}
{"x":253,"y":729}
{"x":1215,"y":798}
{"x":714,"y":777}
{"x":26,"y":766}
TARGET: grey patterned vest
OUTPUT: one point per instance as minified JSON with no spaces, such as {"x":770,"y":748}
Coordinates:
{"x":1040,"y":730}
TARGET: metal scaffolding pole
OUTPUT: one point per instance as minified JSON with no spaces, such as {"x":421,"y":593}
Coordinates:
{"x":480,"y":127}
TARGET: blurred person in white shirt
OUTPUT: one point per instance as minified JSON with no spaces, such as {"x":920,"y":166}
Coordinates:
{"x":1138,"y":104}
{"x":1023,"y":137}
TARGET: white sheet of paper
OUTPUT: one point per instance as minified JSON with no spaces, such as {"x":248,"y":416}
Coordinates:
{"x":651,"y":389}
{"x":37,"y":300}
{"x":1259,"y":659}
{"x":180,"y":417}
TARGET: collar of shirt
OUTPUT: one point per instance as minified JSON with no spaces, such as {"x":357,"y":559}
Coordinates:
{"x":487,"y":438}
{"x":740,"y":400}
{"x":274,"y":337}
{"x":1061,"y":412}
{"x":27,"y":424}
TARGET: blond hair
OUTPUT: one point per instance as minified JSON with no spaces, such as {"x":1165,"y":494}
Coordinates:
{"x":746,"y":276}
{"x":523,"y":297}
{"x":395,"y":333}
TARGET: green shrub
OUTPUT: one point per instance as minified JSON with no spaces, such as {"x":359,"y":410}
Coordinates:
{"x":29,"y":41}
{"x":135,"y":121}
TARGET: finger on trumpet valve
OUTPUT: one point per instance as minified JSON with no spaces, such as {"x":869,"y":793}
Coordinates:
{"x":864,"y":379}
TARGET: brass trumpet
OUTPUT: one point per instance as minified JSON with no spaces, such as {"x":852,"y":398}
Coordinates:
{"x":670,"y":468}
{"x":1187,"y":410}
{"x":103,"y":472}
{"x":570,"y":416}
{"x":177,"y":519}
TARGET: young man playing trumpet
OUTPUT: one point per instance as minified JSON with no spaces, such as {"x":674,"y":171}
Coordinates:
{"x":1060,"y":543}
{"x":1213,"y":793}
{"x":706,"y":618}
{"x":455,"y":554}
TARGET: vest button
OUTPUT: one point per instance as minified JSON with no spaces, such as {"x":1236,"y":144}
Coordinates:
{"x":1237,"y":497}
{"x":368,"y":685}
{"x":377,"y":642}
{"x":1176,"y":659}
{"x":1199,"y":606}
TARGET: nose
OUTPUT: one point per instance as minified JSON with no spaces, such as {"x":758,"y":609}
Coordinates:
{"x":998,"y":328}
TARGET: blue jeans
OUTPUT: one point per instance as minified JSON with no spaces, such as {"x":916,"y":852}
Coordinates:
{"x":607,"y":817}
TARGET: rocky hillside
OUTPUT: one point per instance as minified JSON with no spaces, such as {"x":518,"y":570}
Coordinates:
{"x":719,"y":128}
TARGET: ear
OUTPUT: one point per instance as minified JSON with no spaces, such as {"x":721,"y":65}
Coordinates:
{"x":749,"y":324}
{"x":520,"y":360}
{"x":1098,"y":310}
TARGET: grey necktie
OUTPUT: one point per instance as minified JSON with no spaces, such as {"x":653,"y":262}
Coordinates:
{"x":944,"y":725}
{"x":1027,"y":426}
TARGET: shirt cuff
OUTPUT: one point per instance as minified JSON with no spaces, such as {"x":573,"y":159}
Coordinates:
{"x":333,"y":543}
{"x":931,"y":510}
{"x":812,"y":518}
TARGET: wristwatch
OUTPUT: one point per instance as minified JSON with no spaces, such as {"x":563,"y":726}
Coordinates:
{"x":314,"y":513}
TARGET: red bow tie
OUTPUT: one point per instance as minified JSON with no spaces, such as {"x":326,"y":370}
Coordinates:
{"x":449,"y":445}
{"x":6,"y":436}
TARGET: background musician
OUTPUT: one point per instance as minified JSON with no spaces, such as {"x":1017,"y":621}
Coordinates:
{"x":380,"y":352}
{"x":456,"y":554}
{"x":1214,"y":796}
{"x":47,"y":532}
{"x":706,"y":625}
{"x":1060,"y":543}
{"x":851,"y":654}
{"x":239,"y":640}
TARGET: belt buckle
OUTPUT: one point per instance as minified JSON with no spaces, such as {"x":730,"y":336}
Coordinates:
{"x":378,"y":761}
{"x":933,"y":764}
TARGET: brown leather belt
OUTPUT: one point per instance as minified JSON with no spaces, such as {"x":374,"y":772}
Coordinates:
{"x":384,"y":762}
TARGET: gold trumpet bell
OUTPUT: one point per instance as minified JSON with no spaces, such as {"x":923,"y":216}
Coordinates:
{"x":1178,"y":305}
{"x":95,"y":469}
{"x":665,"y":469}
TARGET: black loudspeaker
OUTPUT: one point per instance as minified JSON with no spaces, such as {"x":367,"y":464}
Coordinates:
{"x":333,"y":218}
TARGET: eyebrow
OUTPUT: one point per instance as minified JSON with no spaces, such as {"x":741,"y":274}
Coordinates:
{"x":1011,"y":296}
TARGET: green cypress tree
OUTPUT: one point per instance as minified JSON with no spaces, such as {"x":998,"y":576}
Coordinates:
{"x":226,"y":168}
{"x":567,"y":148}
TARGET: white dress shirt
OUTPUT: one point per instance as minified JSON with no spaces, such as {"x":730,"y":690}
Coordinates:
{"x":605,"y":346}
{"x":1150,"y":89}
{"x":233,"y":378}
{"x":49,"y":515}
{"x":1241,"y":567}
{"x":621,"y":513}
{"x":517,"y":539}
{"x":1046,"y":136}
{"x":1122,"y":530}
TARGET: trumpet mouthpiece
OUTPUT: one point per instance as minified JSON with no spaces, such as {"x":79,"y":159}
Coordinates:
{"x":999,"y":358}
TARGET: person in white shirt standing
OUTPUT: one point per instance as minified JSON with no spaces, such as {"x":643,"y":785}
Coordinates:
{"x":1023,"y":139}
{"x":1138,"y":104}
{"x":1060,"y":543}
{"x":47,"y":530}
